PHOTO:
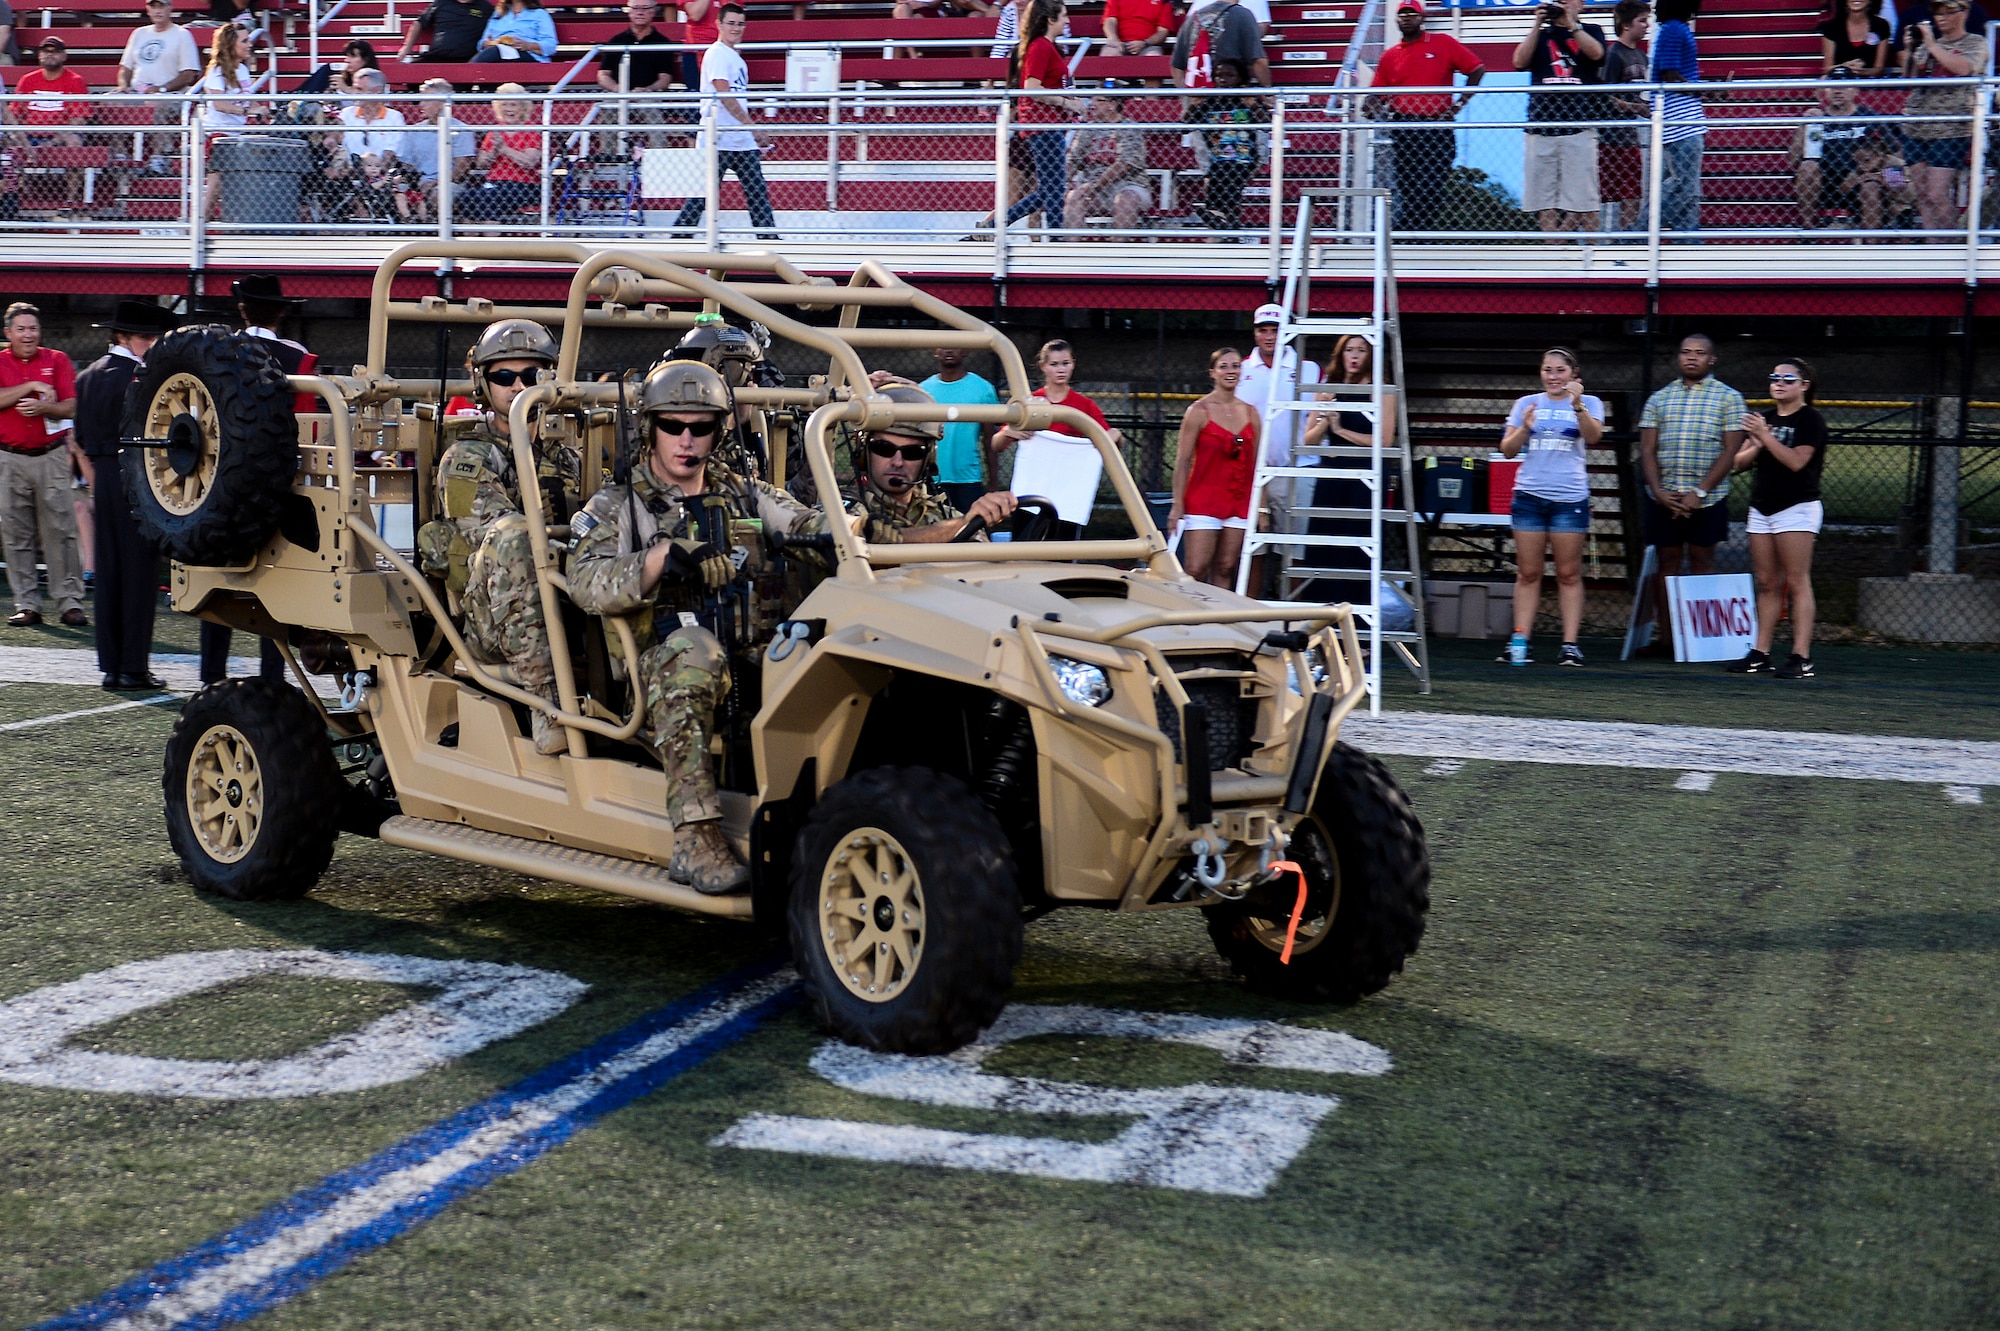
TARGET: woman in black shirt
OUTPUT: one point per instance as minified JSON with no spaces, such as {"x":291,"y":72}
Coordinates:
{"x":1855,"y":39}
{"x":1786,"y":443}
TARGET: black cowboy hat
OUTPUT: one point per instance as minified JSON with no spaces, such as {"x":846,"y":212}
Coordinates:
{"x":263,"y":288}
{"x":139,"y":316}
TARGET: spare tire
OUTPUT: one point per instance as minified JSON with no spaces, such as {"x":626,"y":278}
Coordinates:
{"x":222,"y":405}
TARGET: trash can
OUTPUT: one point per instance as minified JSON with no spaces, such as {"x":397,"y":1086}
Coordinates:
{"x":260,"y":178}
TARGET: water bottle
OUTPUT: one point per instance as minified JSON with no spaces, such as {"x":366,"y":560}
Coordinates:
{"x":1517,"y":649}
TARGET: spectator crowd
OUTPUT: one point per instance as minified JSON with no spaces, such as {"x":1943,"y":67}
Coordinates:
{"x":1073,"y":160}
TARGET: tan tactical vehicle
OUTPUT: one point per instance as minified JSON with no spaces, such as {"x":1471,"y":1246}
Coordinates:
{"x":942,"y":742}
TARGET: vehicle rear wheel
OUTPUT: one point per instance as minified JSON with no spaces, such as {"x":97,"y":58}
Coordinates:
{"x":253,"y":793}
{"x":215,"y":493}
{"x":1368,"y":876}
{"x":905,"y":915}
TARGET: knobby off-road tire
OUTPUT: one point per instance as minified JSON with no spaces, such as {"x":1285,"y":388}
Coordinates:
{"x":905,"y":914}
{"x":1368,"y":878}
{"x":215,"y":499}
{"x":252,"y":791}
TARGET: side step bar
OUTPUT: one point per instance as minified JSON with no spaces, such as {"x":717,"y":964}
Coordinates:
{"x":563,"y":864}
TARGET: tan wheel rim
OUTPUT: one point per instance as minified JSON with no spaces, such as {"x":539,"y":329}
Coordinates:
{"x":871,"y":914}
{"x":225,"y":794}
{"x":1315,"y":928}
{"x":183,"y":394}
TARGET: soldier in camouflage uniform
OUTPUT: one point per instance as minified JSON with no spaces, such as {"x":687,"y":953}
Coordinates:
{"x":684,"y":546}
{"x":893,"y":467}
{"x":480,"y":543}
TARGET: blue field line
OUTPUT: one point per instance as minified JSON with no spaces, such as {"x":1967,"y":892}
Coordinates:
{"x":135,"y":1295}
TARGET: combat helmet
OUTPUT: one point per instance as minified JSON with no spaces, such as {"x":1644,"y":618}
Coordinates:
{"x":683,"y":385}
{"x":512,"y":339}
{"x":906,"y":396}
{"x":728,"y":350}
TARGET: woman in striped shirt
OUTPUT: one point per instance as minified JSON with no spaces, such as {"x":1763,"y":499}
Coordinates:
{"x":1682,"y":135}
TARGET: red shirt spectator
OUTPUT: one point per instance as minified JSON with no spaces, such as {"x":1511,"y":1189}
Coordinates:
{"x":1045,"y":63}
{"x":58,"y":99}
{"x":506,"y":168}
{"x":1082,"y":404}
{"x":46,"y":366}
{"x":1426,"y":61}
{"x":1140,"y":20}
{"x":703,"y":26}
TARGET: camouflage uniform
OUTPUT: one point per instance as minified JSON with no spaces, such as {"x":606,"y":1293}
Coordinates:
{"x":481,"y":546}
{"x":926,"y":508}
{"x":685,"y":674}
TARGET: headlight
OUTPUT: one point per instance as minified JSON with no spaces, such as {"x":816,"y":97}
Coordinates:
{"x":1080,"y":681}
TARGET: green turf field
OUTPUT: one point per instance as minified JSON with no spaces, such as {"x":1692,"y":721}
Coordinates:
{"x":1666,"y":1058}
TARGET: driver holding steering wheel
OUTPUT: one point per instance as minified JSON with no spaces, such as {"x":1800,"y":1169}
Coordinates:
{"x":894,"y":480}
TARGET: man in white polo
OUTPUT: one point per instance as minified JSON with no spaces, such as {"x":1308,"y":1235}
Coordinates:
{"x":1270,"y":377}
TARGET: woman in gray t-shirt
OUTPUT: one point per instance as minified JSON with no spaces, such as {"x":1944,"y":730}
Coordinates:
{"x":1551,"y":514}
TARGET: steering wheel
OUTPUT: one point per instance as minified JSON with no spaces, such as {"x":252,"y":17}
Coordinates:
{"x":1034,"y":519}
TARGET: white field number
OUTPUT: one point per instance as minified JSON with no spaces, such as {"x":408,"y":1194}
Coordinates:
{"x":1228,"y":1140}
{"x":481,"y":1002}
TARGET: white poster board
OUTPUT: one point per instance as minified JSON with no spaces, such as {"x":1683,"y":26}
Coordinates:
{"x":1062,"y":469}
{"x":1715,"y":617}
{"x":673,"y":173}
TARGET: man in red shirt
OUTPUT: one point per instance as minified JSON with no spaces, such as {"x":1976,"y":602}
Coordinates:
{"x":1138,"y":27}
{"x":1422,"y":156}
{"x":37,"y":400}
{"x":59,"y":107}
{"x":58,"y":92}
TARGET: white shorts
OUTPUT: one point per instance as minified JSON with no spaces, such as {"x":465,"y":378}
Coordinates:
{"x":1561,"y":173}
{"x":1799,"y":517}
{"x":1203,"y":522}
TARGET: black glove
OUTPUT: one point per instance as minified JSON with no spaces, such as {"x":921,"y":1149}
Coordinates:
{"x":699,"y":561}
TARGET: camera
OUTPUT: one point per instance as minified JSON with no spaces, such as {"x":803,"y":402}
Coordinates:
{"x":1552,"y":14}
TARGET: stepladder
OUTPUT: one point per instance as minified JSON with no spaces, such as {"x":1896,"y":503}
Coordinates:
{"x":1334,"y":474}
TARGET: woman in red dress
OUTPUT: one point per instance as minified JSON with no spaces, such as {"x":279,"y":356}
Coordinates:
{"x":1213,"y":475}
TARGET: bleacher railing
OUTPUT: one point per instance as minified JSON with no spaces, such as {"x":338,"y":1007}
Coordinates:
{"x":1099,"y":180}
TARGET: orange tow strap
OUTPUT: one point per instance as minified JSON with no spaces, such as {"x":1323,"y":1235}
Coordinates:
{"x":1298,"y":909}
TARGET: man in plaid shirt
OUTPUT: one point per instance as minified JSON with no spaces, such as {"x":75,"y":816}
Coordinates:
{"x":1688,"y":437}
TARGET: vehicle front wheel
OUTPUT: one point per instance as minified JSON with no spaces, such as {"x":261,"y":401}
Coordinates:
{"x":252,"y":790}
{"x":905,"y":914}
{"x":1368,"y":876}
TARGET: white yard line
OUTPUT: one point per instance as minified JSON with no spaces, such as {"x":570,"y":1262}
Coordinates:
{"x":78,"y":665}
{"x":1695,"y":781}
{"x":1707,"y":749}
{"x":1964,"y":795}
{"x":32,"y":722}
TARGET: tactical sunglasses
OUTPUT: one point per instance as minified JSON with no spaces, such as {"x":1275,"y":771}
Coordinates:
{"x":692,"y":429}
{"x":882,"y":448}
{"x":508,"y":378}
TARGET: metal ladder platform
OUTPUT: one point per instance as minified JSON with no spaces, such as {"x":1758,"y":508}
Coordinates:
{"x":1380,"y":402}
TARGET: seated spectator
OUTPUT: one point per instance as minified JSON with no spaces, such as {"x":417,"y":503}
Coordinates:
{"x":1107,"y":171}
{"x":160,"y":58}
{"x":421,"y":153}
{"x":518,"y":30}
{"x":641,"y":71}
{"x":246,"y":14}
{"x":1138,"y":27}
{"x":1823,"y":159}
{"x":58,"y":107}
{"x":1857,"y":39}
{"x":455,"y":27}
{"x":944,"y":9}
{"x":511,"y":159}
{"x":374,"y":143}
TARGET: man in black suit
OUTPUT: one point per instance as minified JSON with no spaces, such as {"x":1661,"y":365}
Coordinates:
{"x":262,"y":305}
{"x":128,"y":567}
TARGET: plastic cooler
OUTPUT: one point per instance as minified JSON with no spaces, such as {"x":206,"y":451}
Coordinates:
{"x":1500,"y":475}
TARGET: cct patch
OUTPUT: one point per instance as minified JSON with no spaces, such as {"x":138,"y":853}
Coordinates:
{"x":1227,"y":1140}
{"x":482,"y":1002}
